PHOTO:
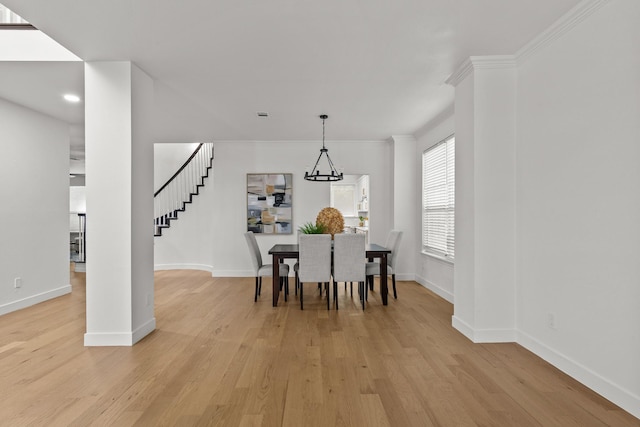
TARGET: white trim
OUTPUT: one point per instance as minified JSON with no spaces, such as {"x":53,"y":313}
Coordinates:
{"x":34,"y":299}
{"x":495,"y":335}
{"x":571,"y":19}
{"x":616,"y":394}
{"x":484,"y":335}
{"x":119,"y":339}
{"x":144,"y":330}
{"x":441,"y":292}
{"x":438,"y":257}
{"x":492,"y":62}
{"x":203,"y":267}
{"x":405,"y":277}
{"x":556,"y":30}
{"x":108,"y":339}
{"x":461,"y":73}
{"x":462,"y":327}
{"x":80,"y":267}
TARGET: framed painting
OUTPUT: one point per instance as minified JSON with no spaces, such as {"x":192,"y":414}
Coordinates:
{"x":269,"y":203}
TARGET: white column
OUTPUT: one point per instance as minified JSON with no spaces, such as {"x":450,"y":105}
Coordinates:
{"x":119,"y":165}
{"x":405,"y":217}
{"x":484,"y":271}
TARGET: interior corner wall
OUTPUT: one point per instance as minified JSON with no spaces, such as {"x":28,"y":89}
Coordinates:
{"x":432,"y":273}
{"x":464,"y":267}
{"x":404,"y":216}
{"x":142,"y":280}
{"x":34,"y":171}
{"x":578,"y":203}
{"x":233,"y":160}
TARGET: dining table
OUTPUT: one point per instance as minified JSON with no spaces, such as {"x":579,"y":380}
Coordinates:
{"x":280,"y":252}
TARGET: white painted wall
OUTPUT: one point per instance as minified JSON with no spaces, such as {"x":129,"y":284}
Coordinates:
{"x":578,"y":202}
{"x":167,"y":158}
{"x":119,"y":159}
{"x":21,"y":45}
{"x":34,"y":242}
{"x":433,"y":273}
{"x":233,"y":160}
{"x":77,"y":204}
{"x":142,"y":280}
{"x":404,"y":215}
{"x":484,"y":268}
{"x":464,"y":267}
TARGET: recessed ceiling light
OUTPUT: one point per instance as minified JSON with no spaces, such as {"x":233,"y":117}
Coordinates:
{"x":72,"y":98}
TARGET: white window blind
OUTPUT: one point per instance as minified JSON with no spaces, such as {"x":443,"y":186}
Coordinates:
{"x":438,"y":199}
{"x":343,"y":198}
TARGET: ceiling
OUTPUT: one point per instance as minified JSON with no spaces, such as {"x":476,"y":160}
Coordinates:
{"x":377,"y":68}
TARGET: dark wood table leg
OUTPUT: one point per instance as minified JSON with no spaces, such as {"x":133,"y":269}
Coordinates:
{"x":367,"y":283}
{"x":383,"y":278}
{"x":275,"y":280}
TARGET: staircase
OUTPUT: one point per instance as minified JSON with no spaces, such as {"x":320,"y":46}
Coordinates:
{"x":180,"y":189}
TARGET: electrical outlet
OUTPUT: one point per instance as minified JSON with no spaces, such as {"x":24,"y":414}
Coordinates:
{"x":551,"y":321}
{"x":17,"y":282}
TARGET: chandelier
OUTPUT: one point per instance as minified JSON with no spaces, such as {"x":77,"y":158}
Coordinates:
{"x":332,"y":174}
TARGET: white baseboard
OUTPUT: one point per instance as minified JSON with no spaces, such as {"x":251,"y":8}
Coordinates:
{"x":484,"y":335}
{"x":143,"y":330}
{"x":121,"y":339}
{"x":462,"y":327}
{"x":613,"y":392}
{"x":406,"y":277}
{"x":442,"y":293}
{"x":34,"y":299}
{"x":80,"y":267}
{"x":203,"y":267}
{"x":495,"y":335}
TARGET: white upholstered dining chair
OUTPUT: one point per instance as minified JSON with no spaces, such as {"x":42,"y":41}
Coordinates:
{"x":265,"y":270}
{"x":314,"y":262}
{"x":349,"y":263}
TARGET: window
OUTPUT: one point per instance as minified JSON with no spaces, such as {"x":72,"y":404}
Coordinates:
{"x":343,"y":198}
{"x":438,"y":201}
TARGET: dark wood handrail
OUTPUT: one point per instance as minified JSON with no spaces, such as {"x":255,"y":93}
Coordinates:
{"x":16,"y":26}
{"x":179,"y":170}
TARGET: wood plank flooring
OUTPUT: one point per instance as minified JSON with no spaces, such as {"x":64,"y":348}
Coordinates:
{"x":219,"y":359}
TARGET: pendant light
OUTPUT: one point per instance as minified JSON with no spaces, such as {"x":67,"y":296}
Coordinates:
{"x":332,"y":174}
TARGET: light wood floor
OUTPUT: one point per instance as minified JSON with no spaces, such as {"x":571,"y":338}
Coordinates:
{"x":218,"y":358}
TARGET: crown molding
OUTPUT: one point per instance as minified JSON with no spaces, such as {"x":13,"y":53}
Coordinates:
{"x":460,"y":73}
{"x":492,"y":62}
{"x":568,"y":21}
{"x":402,"y":138}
